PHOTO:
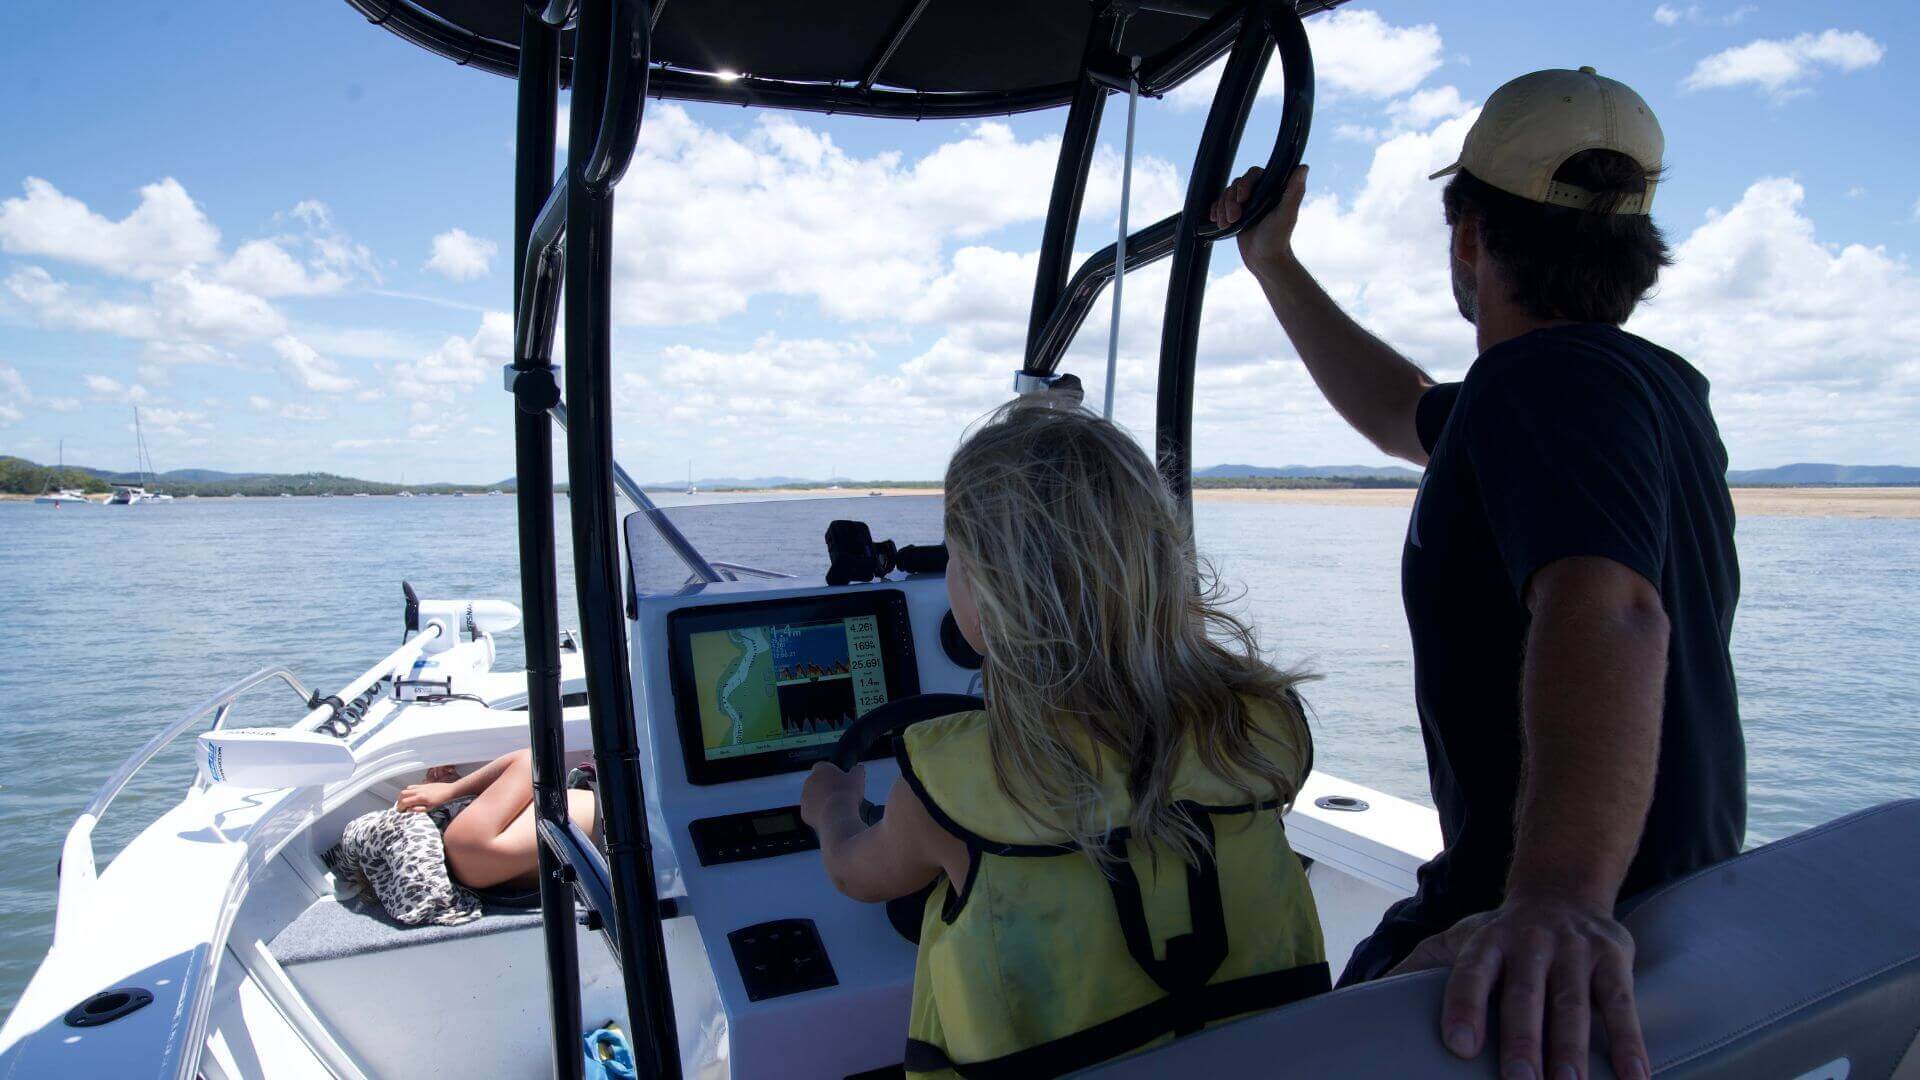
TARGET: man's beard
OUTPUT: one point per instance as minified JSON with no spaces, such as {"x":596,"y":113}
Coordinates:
{"x":1466,"y":294}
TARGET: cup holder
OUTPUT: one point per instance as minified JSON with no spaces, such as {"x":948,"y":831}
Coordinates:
{"x":1346,"y":803}
{"x":108,"y":1006}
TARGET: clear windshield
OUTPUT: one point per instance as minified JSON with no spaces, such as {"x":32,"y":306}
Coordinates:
{"x":752,"y":537}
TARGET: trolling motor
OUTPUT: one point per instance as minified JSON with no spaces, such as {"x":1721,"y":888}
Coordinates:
{"x":854,"y":555}
{"x":462,"y":648}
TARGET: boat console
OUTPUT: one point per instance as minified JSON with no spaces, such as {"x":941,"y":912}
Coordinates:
{"x":743,"y":686}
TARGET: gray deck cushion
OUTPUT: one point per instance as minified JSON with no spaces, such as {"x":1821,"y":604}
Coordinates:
{"x":1800,"y":958}
{"x":331,"y":930}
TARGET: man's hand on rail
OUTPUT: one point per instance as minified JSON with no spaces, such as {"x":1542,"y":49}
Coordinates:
{"x":1271,"y":241}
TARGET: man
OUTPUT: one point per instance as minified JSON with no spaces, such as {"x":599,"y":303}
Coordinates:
{"x":1569,"y":573}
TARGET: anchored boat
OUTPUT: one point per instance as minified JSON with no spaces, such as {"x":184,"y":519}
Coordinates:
{"x":219,"y":944}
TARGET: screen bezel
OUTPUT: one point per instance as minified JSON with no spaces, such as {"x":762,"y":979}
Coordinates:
{"x":897,"y":658}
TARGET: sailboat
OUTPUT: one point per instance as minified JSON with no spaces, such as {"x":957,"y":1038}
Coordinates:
{"x":691,"y":490}
{"x":62,"y":496}
{"x":129,"y":494}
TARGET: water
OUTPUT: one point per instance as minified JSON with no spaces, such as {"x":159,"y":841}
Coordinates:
{"x":112,"y":621}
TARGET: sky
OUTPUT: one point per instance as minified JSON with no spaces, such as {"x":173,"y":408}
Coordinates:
{"x":283,"y":234}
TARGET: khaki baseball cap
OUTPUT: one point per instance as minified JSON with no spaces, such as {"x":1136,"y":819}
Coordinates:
{"x":1532,"y":125}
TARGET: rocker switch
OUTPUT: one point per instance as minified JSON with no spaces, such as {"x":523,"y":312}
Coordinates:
{"x":781,"y":957}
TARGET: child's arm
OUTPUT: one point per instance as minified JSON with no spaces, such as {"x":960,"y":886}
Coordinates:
{"x":428,"y":796}
{"x":904,"y":852}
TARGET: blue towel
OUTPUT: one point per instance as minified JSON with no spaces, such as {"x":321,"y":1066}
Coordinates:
{"x":617,"y":1064}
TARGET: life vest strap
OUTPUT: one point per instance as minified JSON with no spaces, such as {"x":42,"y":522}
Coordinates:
{"x":1132,"y":1030}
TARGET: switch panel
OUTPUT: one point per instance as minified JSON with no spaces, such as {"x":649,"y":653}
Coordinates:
{"x":781,"y":957}
{"x":760,"y":834}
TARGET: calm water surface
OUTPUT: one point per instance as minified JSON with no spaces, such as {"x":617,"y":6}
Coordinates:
{"x":114,"y":620}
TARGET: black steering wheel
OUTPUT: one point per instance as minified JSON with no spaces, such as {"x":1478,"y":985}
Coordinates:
{"x":893,"y":718}
{"x":886,"y":721}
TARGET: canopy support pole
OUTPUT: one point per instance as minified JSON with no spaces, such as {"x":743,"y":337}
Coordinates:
{"x":1120,"y":244}
{"x":539,"y":85}
{"x":616,"y":88}
{"x":1069,"y":188}
{"x":1192,"y":250}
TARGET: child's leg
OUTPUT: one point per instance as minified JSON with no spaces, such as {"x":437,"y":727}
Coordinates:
{"x":492,"y":841}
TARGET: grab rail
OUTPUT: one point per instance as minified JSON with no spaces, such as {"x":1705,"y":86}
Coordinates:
{"x":1281,"y":26}
{"x":76,"y":868}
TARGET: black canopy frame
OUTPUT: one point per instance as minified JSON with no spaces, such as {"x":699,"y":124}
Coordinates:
{"x":563,"y":235}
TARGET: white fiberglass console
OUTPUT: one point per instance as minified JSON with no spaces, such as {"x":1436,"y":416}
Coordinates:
{"x":741,"y":687}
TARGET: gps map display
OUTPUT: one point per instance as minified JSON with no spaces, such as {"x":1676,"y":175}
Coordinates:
{"x":785,"y":685}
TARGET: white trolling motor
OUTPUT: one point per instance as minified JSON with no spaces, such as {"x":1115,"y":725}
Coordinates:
{"x":461,"y":650}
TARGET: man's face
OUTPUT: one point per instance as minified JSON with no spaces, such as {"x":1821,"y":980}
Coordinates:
{"x":1466,"y":290}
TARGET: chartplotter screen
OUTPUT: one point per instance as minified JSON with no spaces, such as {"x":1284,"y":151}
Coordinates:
{"x":779,"y":681}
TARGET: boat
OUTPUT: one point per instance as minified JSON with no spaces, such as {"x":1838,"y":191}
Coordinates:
{"x":218,"y":943}
{"x":136,"y":494}
{"x":56,"y":497}
{"x":403,"y":494}
{"x":691,"y":490}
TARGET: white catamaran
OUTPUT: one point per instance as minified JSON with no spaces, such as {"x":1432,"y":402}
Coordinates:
{"x":133,"y":494}
{"x":52,"y":496}
{"x":219,"y":944}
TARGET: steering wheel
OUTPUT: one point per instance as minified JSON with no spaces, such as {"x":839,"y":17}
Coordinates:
{"x":886,"y":721}
{"x":893,"y":718}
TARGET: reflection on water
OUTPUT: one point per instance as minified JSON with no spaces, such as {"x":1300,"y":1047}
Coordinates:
{"x":117,"y":619}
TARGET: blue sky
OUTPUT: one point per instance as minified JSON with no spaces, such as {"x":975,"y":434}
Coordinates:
{"x":282,"y":233}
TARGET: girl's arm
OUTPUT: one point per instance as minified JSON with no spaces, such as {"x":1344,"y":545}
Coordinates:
{"x":428,"y":796}
{"x":904,"y":852}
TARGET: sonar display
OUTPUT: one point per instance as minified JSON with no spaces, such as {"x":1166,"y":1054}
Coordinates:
{"x":785,"y":685}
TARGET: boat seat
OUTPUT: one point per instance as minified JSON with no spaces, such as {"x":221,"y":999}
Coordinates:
{"x":1797,"y":959}
{"x":358,"y":925}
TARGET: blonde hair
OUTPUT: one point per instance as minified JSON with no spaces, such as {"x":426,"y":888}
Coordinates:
{"x":1104,"y":629}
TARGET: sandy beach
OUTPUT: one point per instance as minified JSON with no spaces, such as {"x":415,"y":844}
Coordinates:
{"x":1897,"y":502}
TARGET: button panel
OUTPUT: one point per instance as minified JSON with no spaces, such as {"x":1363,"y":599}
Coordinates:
{"x":781,"y":957}
{"x":759,"y":834}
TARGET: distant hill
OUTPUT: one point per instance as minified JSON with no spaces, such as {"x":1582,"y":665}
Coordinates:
{"x":1308,"y":472}
{"x":19,"y":476}
{"x":1805,"y":474}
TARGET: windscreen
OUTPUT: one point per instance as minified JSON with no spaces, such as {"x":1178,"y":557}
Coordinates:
{"x":751,"y":536}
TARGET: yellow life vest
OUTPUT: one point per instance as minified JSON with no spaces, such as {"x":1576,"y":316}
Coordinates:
{"x":1042,"y":964}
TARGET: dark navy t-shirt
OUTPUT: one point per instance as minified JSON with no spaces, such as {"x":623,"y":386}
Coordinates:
{"x":1580,"y":440}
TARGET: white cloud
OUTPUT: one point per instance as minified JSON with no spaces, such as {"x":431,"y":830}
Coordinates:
{"x":13,"y":395}
{"x":307,"y":414}
{"x":1814,"y":348}
{"x":1779,"y":66}
{"x":308,"y":368}
{"x":458,"y":364}
{"x":460,"y":255}
{"x":1355,"y":51}
{"x":264,"y":267}
{"x":102,"y":386}
{"x":166,"y":232}
{"x":260,"y":402}
{"x":166,"y":421}
{"x":861,"y":236}
{"x":61,"y":404}
{"x":1669,"y":15}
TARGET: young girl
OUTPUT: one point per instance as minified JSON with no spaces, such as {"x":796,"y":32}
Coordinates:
{"x":1106,"y":833}
{"x":491,"y":844}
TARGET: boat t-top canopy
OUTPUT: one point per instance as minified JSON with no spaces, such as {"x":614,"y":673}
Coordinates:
{"x":909,"y":58}
{"x":886,"y":58}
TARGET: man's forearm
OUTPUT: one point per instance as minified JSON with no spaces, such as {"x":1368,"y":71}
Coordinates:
{"x":1373,"y":387}
{"x":1592,"y":695}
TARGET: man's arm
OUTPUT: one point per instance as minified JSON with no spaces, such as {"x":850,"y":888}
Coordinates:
{"x":1373,"y":387}
{"x":1591,"y":702}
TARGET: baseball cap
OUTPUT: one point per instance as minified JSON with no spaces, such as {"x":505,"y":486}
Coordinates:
{"x":1532,"y":125}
